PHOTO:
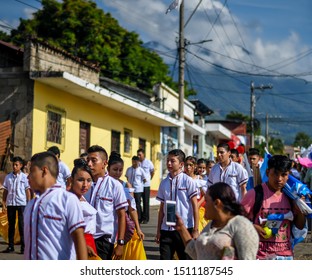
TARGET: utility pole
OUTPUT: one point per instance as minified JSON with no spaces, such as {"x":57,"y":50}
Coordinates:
{"x":181,"y":76}
{"x":252,"y":109}
{"x":267,"y":131}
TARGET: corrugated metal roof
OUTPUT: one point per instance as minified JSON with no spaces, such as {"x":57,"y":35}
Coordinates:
{"x":5,"y":132}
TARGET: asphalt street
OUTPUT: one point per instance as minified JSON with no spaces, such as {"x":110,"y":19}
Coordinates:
{"x":303,"y":251}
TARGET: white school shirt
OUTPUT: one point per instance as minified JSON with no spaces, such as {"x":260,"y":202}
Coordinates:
{"x":107,"y":197}
{"x":49,"y":221}
{"x":200,"y":184}
{"x":89,"y":216}
{"x":181,"y":189}
{"x":148,"y":168}
{"x":129,"y":196}
{"x":234,"y":175}
{"x":135,"y":177}
{"x":16,"y":185}
{"x":64,"y":174}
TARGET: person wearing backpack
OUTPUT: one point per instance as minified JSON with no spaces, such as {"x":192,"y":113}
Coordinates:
{"x":268,"y":198}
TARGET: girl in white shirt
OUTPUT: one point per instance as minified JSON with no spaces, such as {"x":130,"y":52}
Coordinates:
{"x":81,"y":180}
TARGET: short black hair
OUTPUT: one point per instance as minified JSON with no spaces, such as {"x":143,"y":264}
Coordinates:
{"x":201,"y":161}
{"x":279,"y":163}
{"x":225,"y":146}
{"x":46,"y":159}
{"x":178,"y":153}
{"x":98,"y":149}
{"x":234,"y":152}
{"x":253,"y":152}
{"x":141,"y":151}
{"x":135,"y":158}
{"x":83,"y":155}
{"x":18,"y":159}
{"x":55,"y":150}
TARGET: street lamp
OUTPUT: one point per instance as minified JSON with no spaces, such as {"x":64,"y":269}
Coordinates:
{"x":252,"y":109}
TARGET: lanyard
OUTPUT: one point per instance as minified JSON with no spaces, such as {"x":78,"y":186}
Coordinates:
{"x":175,"y":189}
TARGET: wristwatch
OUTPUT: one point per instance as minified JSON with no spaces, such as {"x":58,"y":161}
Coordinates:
{"x":121,"y":242}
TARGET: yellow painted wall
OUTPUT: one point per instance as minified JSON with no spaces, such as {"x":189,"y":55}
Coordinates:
{"x":102,"y":120}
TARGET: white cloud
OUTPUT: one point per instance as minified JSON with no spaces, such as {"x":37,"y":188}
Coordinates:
{"x":149,"y":20}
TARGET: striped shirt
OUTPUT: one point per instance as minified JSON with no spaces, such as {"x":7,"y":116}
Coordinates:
{"x":49,"y":221}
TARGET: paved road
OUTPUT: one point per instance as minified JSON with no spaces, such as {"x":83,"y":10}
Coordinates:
{"x":303,"y":251}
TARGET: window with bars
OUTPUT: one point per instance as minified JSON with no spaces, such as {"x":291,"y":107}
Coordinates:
{"x":127,"y":141}
{"x":115,"y":144}
{"x":55,"y":127}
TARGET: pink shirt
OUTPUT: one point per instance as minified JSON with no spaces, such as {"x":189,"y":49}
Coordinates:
{"x":278,"y":244}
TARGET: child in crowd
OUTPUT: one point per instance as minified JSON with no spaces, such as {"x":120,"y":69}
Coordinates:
{"x":54,"y":224}
{"x":81,"y":180}
{"x":274,"y":201}
{"x":136,"y":177}
{"x":115,"y":169}
{"x":108,"y":198}
{"x":16,"y":194}
{"x":180,"y":188}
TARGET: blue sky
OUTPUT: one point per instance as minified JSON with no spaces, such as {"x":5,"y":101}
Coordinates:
{"x":264,"y":27}
{"x":249,"y":36}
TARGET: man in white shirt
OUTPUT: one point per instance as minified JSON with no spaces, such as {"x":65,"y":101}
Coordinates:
{"x":136,"y":177}
{"x":148,"y":168}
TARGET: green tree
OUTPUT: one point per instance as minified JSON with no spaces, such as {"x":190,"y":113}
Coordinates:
{"x":237,"y":116}
{"x":302,"y":140}
{"x":4,"y":37}
{"x":84,"y":30}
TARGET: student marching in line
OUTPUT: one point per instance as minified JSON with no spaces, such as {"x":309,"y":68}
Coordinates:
{"x":108,"y":198}
{"x":80,"y":183}
{"x":134,"y":249}
{"x":16,"y":194}
{"x":136,"y":177}
{"x":54,"y":224}
{"x":64,"y":172}
{"x":148,"y":168}
{"x":229,"y":172}
{"x":181,"y":188}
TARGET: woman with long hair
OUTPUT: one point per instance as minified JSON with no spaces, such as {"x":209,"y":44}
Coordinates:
{"x":228,"y":235}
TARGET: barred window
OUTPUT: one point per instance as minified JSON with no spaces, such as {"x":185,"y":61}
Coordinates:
{"x":55,"y":127}
{"x":127,"y":141}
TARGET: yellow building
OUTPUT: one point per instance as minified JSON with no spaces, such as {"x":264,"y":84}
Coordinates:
{"x":69,"y":109}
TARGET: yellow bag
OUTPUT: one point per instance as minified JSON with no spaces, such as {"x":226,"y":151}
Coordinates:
{"x":134,"y":249}
{"x":4,"y":228}
{"x":202,"y":221}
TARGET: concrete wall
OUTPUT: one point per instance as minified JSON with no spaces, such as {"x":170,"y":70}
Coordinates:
{"x":16,"y":103}
{"x":41,"y":57}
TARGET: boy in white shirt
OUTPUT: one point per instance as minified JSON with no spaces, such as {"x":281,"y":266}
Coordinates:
{"x":181,"y":188}
{"x":54,"y":223}
{"x":15,"y":197}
